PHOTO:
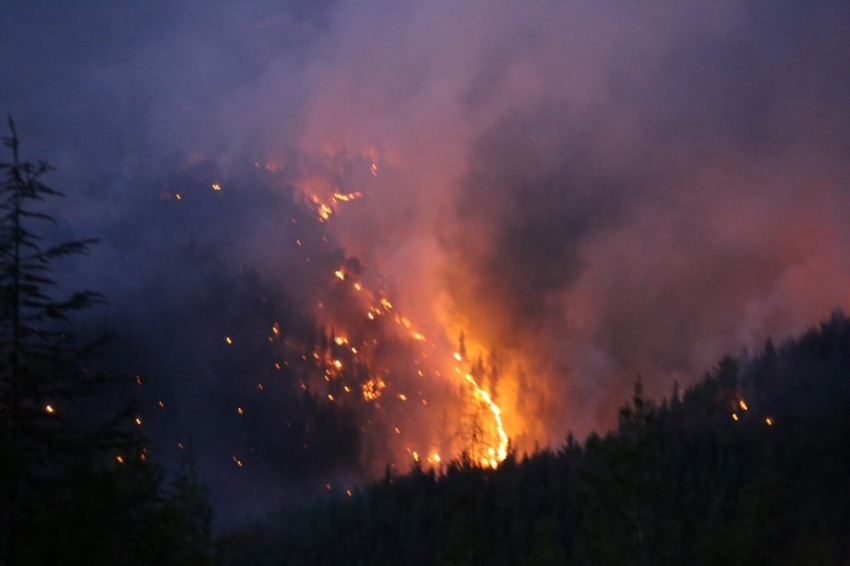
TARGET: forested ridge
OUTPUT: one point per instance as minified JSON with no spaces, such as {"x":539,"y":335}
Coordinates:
{"x":747,"y":466}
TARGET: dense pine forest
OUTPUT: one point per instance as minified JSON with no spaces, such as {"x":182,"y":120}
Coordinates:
{"x":748,"y":466}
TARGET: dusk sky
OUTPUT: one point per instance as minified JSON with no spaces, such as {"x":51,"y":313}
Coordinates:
{"x":565,"y":193}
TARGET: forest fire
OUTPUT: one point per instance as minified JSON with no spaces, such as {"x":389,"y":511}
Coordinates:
{"x":417,"y":257}
{"x":384,"y":352}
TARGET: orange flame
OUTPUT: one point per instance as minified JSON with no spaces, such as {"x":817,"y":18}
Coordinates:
{"x":325,"y":198}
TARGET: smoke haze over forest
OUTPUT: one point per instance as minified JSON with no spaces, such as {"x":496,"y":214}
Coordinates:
{"x":583,"y":191}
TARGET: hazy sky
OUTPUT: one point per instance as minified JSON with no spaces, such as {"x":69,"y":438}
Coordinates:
{"x":585,"y":190}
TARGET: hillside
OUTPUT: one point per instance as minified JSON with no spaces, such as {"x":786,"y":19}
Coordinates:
{"x":747,"y":466}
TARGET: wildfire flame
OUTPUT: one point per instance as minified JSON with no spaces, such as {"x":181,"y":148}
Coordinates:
{"x":353,"y":360}
{"x":339,"y":197}
{"x":498,"y":454}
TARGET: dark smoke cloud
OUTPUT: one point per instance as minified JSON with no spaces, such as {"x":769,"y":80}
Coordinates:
{"x":586,"y":190}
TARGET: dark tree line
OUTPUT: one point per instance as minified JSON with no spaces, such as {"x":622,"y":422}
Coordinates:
{"x":76,"y":482}
{"x":748,"y":466}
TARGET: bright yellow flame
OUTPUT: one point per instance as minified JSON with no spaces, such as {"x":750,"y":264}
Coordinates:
{"x":769,"y":421}
{"x":458,"y":357}
{"x":324,"y":212}
{"x":239,"y":410}
{"x":216,"y":187}
{"x":229,"y":341}
{"x":742,"y":404}
{"x":734,"y":416}
{"x":419,"y":337}
{"x":340,"y":274}
{"x":402,"y":396}
{"x":339,"y":197}
{"x":502,"y":450}
{"x":49,"y":409}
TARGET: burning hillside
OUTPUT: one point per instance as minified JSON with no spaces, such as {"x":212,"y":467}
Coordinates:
{"x":564,"y":194}
{"x":418,"y":395}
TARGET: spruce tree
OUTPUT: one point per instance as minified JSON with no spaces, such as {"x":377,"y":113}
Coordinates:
{"x":44,"y":377}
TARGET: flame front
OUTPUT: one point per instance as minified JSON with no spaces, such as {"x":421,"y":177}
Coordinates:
{"x":430,"y":360}
{"x":498,"y":454}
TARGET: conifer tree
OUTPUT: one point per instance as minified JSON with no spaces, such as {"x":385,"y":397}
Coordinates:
{"x":43,"y":371}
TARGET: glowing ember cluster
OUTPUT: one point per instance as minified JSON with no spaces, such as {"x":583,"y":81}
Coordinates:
{"x":326,"y":208}
{"x":741,"y":404}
